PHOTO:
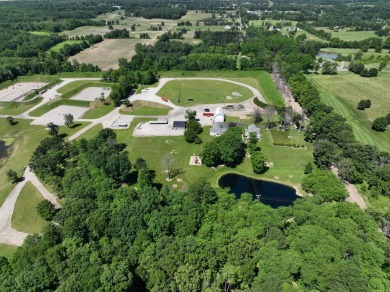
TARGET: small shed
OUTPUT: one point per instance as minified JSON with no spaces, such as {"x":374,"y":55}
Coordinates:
{"x":179,"y":125}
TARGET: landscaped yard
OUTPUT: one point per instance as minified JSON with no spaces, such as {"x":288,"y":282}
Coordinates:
{"x":345,"y":90}
{"x":260,"y":80}
{"x":25,"y":217}
{"x":146,"y":108}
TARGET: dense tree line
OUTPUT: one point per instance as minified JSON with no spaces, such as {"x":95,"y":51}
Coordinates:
{"x":117,"y":34}
{"x":112,"y":237}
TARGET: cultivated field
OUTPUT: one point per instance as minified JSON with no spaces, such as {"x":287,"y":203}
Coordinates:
{"x":203,"y":92}
{"x":345,"y":90}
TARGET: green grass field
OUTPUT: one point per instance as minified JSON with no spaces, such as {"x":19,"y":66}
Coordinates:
{"x":25,"y":217}
{"x":146,"y":108}
{"x":80,"y":75}
{"x":7,"y":251}
{"x":260,"y":80}
{"x":23,"y":139}
{"x":59,"y":46}
{"x":345,"y":90}
{"x":98,"y":109}
{"x":347,"y":35}
{"x":55,"y":103}
{"x":203,"y":92}
{"x":16,"y":108}
{"x":91,"y":132}
{"x":75,"y":87}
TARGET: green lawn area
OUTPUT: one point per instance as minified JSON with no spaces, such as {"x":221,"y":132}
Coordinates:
{"x":55,"y":103}
{"x":146,"y":108}
{"x":345,"y":90}
{"x":32,"y":78}
{"x":75,"y":87}
{"x":260,"y":80}
{"x":14,"y":108}
{"x":59,"y":46}
{"x":203,"y":92}
{"x":23,"y":139}
{"x":40,"y":32}
{"x":7,"y":250}
{"x":25,"y":217}
{"x":67,"y":132}
{"x":288,"y":163}
{"x":287,"y":137}
{"x":98,"y":109}
{"x":347,"y":35}
{"x":91,"y":132}
{"x":80,"y":75}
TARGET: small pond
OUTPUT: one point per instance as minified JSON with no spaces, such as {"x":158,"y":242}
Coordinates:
{"x":327,"y":56}
{"x":271,"y":193}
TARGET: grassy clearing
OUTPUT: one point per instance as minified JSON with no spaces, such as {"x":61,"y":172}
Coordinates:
{"x":98,"y":109}
{"x":345,"y":90}
{"x":25,"y":217}
{"x":203,"y":92}
{"x":347,"y":35}
{"x":288,"y":163}
{"x":7,"y":251}
{"x":16,"y":108}
{"x":57,"y":102}
{"x":75,"y":87}
{"x":67,"y":132}
{"x":80,"y":75}
{"x":91,"y":132}
{"x":146,"y":108}
{"x":59,"y":46}
{"x":40,"y":32}
{"x":23,"y":139}
{"x":260,"y":80}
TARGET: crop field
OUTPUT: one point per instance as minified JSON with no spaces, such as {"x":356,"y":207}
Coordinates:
{"x":345,"y":90}
{"x":347,"y":35}
{"x":25,"y":217}
{"x":260,"y":80}
{"x":203,"y":91}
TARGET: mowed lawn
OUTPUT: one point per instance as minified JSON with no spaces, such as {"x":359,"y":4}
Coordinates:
{"x":23,"y":139}
{"x":261,"y":80}
{"x":146,"y":108}
{"x":7,"y":251}
{"x":203,"y":92}
{"x":345,"y":90}
{"x":25,"y":217}
{"x":288,"y":163}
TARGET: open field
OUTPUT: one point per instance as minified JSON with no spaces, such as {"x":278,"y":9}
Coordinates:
{"x":25,"y":217}
{"x":23,"y":139}
{"x":53,"y":104}
{"x":345,"y":90}
{"x":59,"y":46}
{"x":146,"y":108}
{"x":97,"y":110}
{"x":16,"y":108}
{"x":260,"y":80}
{"x":347,"y":35}
{"x":7,"y":250}
{"x":92,"y":93}
{"x":75,"y":87}
{"x":203,"y":92}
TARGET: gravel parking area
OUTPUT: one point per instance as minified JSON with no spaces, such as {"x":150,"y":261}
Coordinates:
{"x":17,"y":91}
{"x":57,"y":115}
{"x":91,"y":93}
{"x":150,"y":130}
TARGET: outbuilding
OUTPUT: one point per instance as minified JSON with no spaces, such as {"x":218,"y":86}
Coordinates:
{"x":219,"y":116}
{"x":179,"y":125}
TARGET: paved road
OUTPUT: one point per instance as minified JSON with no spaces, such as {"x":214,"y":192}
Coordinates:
{"x":9,"y":235}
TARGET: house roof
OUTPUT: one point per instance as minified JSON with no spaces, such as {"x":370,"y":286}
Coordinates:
{"x":219,"y":128}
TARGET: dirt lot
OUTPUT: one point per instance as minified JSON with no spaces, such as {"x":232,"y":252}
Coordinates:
{"x":92,"y":93}
{"x":17,"y":91}
{"x":57,"y":115}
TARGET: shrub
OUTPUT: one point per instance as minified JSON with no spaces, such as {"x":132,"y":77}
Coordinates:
{"x":380,"y":124}
{"x":46,"y":210}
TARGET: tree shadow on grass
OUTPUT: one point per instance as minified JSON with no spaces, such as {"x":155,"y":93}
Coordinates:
{"x":74,"y":126}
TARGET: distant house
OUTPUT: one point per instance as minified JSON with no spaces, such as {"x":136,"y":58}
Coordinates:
{"x":218,"y":128}
{"x":179,"y":125}
{"x":219,"y":116}
{"x":253,"y":129}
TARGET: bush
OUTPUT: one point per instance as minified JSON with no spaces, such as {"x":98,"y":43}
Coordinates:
{"x":380,"y":124}
{"x":388,"y":118}
{"x":259,"y":103}
{"x":363,"y":104}
{"x":46,"y":210}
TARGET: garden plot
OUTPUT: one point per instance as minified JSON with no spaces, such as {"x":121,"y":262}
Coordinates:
{"x":17,"y":91}
{"x":92,"y":93}
{"x":56,"y":115}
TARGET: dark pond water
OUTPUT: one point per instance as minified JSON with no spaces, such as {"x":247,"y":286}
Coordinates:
{"x":3,"y":149}
{"x":271,"y":193}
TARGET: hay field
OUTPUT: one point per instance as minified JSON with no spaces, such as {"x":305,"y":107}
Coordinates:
{"x":345,"y":90}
